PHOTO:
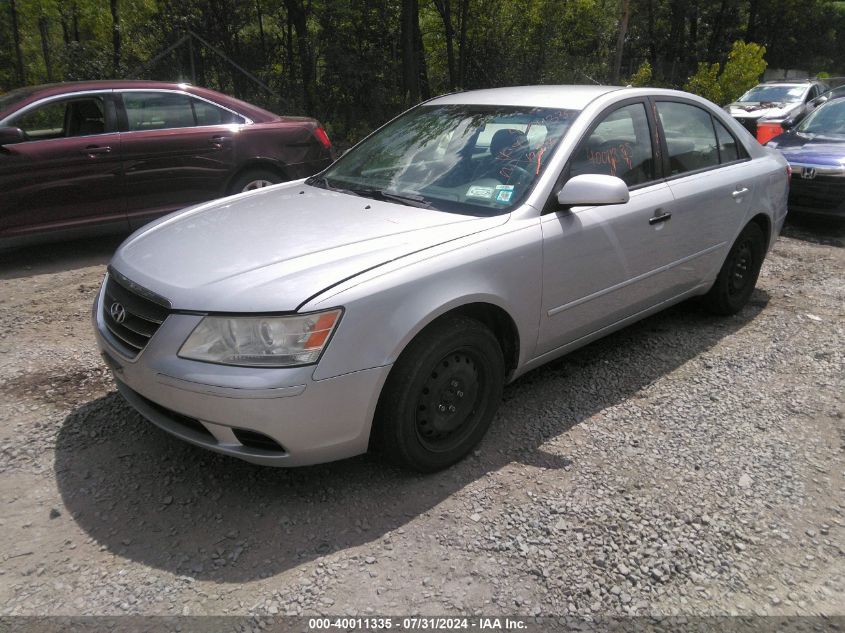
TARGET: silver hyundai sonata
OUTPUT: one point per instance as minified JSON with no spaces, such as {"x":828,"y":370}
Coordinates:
{"x":386,"y":301}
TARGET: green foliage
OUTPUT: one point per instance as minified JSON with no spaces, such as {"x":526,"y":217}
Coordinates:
{"x":743,"y":69}
{"x":643,"y":76}
{"x":341,"y":60}
{"x":705,"y":82}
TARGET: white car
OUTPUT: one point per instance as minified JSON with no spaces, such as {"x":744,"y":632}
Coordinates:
{"x":386,"y":301}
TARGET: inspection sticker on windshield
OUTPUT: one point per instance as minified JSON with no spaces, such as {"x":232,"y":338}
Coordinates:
{"x":504,"y":196}
{"x":504,"y":187}
{"x":480,"y":192}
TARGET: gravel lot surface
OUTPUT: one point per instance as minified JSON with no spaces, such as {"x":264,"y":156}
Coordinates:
{"x":686,"y":465}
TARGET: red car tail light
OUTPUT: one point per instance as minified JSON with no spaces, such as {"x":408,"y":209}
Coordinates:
{"x":767,"y":131}
{"x":321,"y":135}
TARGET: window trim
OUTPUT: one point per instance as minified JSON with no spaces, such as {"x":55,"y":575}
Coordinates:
{"x":741,"y":149}
{"x":123,"y":117}
{"x":109,"y":111}
{"x":552,"y":205}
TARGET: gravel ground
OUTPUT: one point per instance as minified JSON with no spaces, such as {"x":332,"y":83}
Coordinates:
{"x":686,"y":465}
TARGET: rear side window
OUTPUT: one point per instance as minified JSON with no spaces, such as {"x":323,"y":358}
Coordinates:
{"x":157,"y":111}
{"x":620,"y":145}
{"x":690,"y":138}
{"x":209,"y":114}
{"x":728,"y":151}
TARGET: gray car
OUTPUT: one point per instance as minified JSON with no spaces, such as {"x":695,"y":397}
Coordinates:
{"x":385,"y":302}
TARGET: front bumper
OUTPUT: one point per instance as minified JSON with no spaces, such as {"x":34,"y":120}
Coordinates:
{"x":273,"y":417}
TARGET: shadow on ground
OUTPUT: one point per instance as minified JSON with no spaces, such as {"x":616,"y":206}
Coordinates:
{"x":827,"y":231}
{"x":150,"y":498}
{"x":57,"y":257}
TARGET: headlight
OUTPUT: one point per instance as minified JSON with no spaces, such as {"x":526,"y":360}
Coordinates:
{"x":269,"y":341}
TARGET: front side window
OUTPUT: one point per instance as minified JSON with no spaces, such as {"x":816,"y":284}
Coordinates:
{"x":157,"y":111}
{"x":460,"y":158}
{"x":690,"y":138}
{"x":80,"y":116}
{"x":620,"y":145}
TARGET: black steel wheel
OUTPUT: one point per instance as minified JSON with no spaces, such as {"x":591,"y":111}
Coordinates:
{"x":738,"y":275}
{"x":440,"y":396}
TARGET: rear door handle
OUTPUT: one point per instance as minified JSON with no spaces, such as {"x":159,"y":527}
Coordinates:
{"x":93,"y":150}
{"x":659,"y":217}
{"x":740,"y":192}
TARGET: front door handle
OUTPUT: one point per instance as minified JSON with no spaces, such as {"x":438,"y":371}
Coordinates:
{"x":659,"y":216}
{"x":93,"y":150}
{"x":740,"y":192}
{"x":218,"y":141}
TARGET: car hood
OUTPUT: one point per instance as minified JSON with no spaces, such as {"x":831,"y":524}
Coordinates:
{"x":811,"y":149}
{"x":272,"y":249}
{"x":764,"y":110}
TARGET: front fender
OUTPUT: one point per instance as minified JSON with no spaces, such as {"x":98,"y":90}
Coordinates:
{"x":386,"y":308}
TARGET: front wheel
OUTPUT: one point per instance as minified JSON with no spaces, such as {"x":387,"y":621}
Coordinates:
{"x":440,"y":396}
{"x":738,"y":275}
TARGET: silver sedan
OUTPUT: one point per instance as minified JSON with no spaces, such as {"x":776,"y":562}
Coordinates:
{"x":384,"y":303}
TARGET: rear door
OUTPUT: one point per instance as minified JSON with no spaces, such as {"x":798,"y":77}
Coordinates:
{"x":712,"y":180}
{"x":178,"y":150}
{"x":67,"y":173}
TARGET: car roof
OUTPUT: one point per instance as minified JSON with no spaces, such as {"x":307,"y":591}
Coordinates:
{"x":573,"y":97}
{"x":34,"y":93}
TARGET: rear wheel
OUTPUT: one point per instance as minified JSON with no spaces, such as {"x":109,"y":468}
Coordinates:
{"x":441,"y":395}
{"x":254,"y":179}
{"x":738,"y":276}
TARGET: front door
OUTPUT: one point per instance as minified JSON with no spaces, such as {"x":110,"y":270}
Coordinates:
{"x":67,"y":173}
{"x":603,"y":264}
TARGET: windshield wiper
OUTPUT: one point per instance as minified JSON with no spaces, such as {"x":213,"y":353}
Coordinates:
{"x":373,"y":193}
{"x":405,"y":198}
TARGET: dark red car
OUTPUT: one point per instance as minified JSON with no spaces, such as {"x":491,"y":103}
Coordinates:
{"x":113,"y":155}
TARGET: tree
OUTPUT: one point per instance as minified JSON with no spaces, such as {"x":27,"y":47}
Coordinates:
{"x":742,"y":71}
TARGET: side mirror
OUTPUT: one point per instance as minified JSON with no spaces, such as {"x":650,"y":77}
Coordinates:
{"x":11,"y":135}
{"x":593,"y":189}
{"x":787,"y":124}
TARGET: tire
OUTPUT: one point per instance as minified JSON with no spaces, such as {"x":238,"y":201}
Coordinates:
{"x":254,"y":179}
{"x":441,"y":395}
{"x":738,"y":275}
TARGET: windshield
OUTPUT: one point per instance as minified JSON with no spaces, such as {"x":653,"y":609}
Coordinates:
{"x":472,"y":159}
{"x":774,"y":94}
{"x":827,"y":120}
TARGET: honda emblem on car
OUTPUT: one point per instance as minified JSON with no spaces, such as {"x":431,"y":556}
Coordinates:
{"x":808,"y":173}
{"x":117,"y":312}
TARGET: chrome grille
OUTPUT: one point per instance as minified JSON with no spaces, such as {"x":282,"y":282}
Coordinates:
{"x":822,"y":192}
{"x":131,"y":313}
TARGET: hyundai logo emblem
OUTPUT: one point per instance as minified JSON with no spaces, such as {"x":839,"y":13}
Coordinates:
{"x":808,"y":173}
{"x":117,"y":312}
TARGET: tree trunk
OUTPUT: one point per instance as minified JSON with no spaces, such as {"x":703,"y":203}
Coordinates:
{"x":408,"y":37}
{"x":298,"y":15}
{"x":261,"y":35}
{"x":717,"y":34}
{"x":625,"y":8}
{"x":444,"y":7}
{"x":751,"y":27}
{"x":16,"y":36}
{"x":462,"y":43}
{"x":43,"y":29}
{"x":115,"y":38}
